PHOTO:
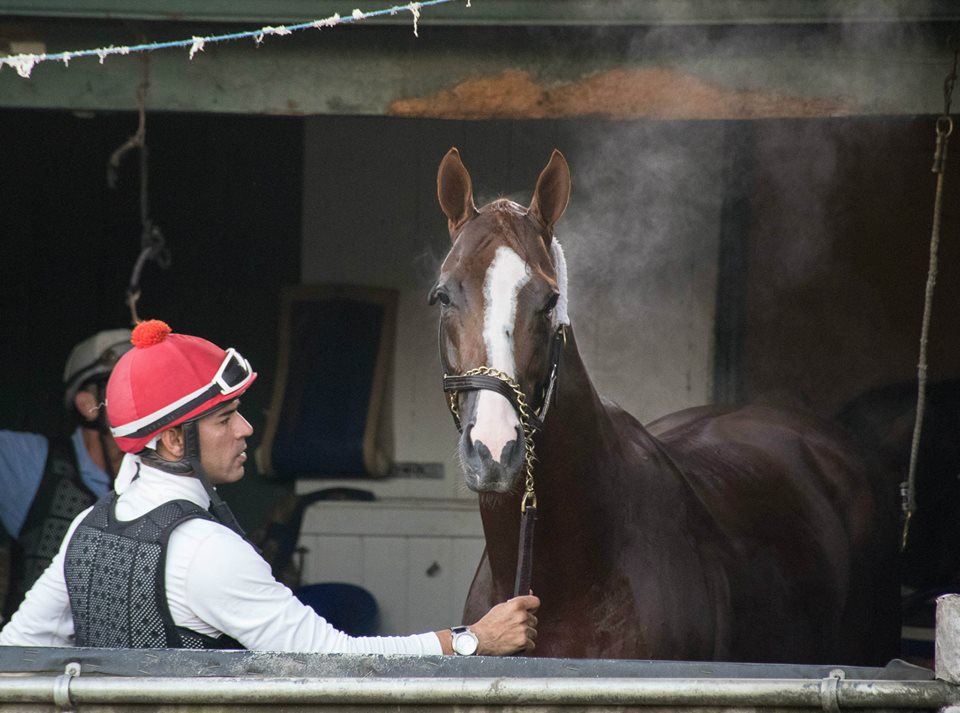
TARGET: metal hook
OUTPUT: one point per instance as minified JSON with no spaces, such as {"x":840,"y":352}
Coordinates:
{"x":944,"y":129}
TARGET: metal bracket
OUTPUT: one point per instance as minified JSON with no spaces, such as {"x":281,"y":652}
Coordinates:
{"x":829,"y":691}
{"x":61,"y":687}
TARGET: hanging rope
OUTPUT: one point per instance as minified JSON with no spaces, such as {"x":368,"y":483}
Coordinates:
{"x":944,"y":128}
{"x":152,"y":243}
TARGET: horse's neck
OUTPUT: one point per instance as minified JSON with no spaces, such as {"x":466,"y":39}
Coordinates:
{"x":577,"y":422}
{"x":574,"y":479}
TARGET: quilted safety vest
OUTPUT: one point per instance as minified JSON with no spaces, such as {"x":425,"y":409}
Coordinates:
{"x":115,"y":578}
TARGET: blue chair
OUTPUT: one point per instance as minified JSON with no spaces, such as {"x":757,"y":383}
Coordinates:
{"x":348,"y":607}
{"x":329,"y":415}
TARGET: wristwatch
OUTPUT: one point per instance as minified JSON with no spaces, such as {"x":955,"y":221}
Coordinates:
{"x":465,"y":642}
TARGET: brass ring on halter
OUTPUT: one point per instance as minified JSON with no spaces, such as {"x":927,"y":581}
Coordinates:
{"x":530,"y":498}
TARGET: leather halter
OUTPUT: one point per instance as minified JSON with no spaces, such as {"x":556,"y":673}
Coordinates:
{"x":530,"y":422}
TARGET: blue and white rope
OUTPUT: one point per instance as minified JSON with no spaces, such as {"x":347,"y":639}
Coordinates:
{"x":24,"y":63}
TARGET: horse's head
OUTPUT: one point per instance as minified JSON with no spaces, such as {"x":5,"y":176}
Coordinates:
{"x":502,"y":297}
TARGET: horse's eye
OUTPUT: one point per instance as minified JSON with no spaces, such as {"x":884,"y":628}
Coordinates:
{"x":438,"y":295}
{"x":551,"y":303}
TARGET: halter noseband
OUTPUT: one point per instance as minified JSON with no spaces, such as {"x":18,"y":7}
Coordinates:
{"x":485,"y":377}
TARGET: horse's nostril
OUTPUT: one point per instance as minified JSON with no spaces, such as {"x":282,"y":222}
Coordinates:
{"x":509,"y":452}
{"x":468,"y":435}
{"x":481,"y":454}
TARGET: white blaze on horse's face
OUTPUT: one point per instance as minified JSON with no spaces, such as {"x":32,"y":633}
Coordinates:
{"x":496,"y":420}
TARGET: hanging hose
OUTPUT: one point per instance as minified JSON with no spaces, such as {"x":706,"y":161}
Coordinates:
{"x":152,"y":243}
{"x":944,"y":128}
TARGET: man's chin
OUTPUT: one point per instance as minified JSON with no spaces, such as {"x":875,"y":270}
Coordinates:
{"x":228,"y":478}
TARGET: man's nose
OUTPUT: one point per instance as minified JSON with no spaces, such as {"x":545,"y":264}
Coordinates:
{"x":245,"y":429}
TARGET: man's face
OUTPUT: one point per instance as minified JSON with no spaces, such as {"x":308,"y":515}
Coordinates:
{"x":223,"y":443}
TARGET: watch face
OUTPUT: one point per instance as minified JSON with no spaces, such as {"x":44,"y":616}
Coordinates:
{"x":465,"y":643}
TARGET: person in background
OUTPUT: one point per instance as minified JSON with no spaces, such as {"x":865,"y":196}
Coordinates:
{"x":162,"y":563}
{"x":47,"y":480}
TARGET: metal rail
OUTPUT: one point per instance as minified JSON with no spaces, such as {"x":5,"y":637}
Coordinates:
{"x":311,"y":682}
{"x":824,"y":694}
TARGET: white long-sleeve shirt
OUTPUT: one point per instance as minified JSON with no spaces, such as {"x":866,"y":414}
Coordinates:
{"x":216,"y":583}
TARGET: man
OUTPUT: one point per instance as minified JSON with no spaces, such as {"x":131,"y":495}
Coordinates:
{"x":150,"y":567}
{"x":45,"y":480}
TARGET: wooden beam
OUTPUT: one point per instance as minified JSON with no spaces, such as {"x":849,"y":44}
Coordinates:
{"x":676,"y":72}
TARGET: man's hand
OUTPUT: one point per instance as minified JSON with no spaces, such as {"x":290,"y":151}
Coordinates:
{"x":508,"y":627}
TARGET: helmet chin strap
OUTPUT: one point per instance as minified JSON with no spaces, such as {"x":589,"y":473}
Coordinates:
{"x":191,"y":454}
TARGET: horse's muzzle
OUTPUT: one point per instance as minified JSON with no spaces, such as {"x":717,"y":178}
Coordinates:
{"x":484,"y":473}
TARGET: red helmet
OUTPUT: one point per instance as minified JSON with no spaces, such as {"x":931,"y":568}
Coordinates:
{"x":168,"y":379}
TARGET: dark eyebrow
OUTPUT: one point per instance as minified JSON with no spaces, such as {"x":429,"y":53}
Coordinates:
{"x":233,"y":408}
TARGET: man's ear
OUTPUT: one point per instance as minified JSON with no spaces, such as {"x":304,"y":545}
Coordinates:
{"x":86,"y":405}
{"x":171,"y":444}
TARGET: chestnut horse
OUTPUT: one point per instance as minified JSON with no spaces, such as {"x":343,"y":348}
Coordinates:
{"x":734,"y":534}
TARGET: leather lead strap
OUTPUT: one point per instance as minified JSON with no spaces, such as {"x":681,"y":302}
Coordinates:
{"x":525,"y":552}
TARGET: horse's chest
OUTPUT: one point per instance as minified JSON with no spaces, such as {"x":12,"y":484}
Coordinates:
{"x":604,"y":621}
{"x":653,"y":612}
{"x":599,"y":624}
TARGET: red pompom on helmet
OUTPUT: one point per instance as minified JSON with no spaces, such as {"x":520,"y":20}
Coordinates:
{"x":167,"y":379}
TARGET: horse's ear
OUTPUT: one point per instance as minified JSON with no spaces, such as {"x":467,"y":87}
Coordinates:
{"x":455,"y":191}
{"x":552,"y":193}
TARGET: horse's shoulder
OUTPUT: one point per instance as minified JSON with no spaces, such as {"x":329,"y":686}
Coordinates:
{"x":747,"y":426}
{"x":685,"y":419}
{"x":734,"y":456}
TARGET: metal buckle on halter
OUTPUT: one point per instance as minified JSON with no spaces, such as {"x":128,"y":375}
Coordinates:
{"x":529,"y":500}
